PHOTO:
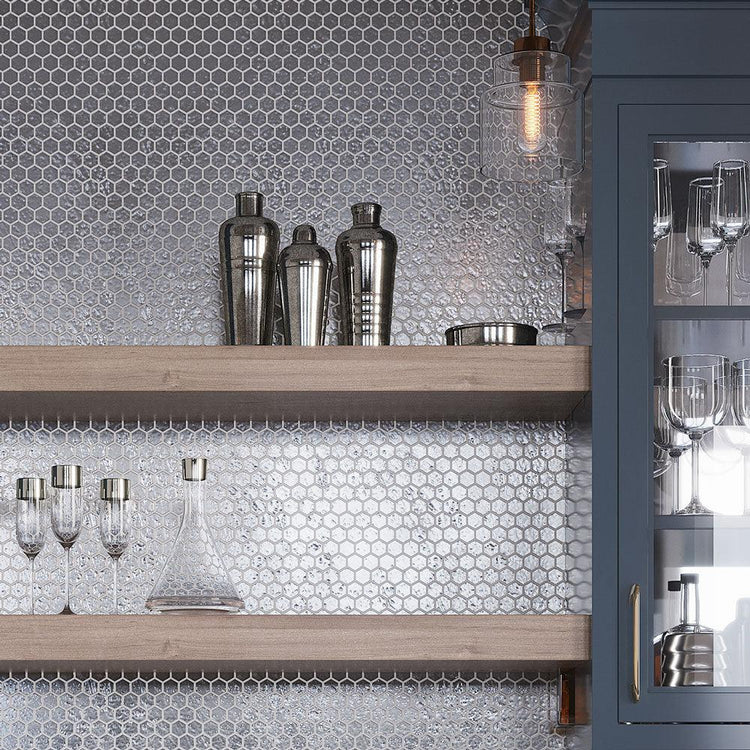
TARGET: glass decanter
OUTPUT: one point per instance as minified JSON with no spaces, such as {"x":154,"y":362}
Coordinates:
{"x":194,"y":577}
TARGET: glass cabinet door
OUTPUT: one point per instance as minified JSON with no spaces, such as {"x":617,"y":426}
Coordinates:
{"x":684,"y":408}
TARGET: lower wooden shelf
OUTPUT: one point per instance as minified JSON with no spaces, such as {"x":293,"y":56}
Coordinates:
{"x":303,"y":643}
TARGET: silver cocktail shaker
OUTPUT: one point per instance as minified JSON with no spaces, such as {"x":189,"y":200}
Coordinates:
{"x":366,"y":256}
{"x":305,"y":270}
{"x":249,"y":247}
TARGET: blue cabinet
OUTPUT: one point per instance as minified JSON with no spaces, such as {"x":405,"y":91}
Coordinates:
{"x":671,"y":87}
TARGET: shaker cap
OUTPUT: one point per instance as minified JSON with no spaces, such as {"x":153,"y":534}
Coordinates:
{"x":689,"y":578}
{"x":249,"y":204}
{"x":31,"y":488}
{"x":66,"y":476}
{"x":366,"y":214}
{"x":304,"y":234}
{"x":114,"y":488}
{"x":194,"y":469}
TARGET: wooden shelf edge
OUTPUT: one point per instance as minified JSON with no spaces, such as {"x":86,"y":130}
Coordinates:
{"x":304,"y":643}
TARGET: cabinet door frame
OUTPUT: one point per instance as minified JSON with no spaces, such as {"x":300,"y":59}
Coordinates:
{"x":630,"y":115}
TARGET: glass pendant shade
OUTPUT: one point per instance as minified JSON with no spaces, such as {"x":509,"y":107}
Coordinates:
{"x":532,"y":119}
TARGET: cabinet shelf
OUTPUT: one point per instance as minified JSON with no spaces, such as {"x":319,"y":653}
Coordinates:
{"x":292,"y":383}
{"x":303,"y":643}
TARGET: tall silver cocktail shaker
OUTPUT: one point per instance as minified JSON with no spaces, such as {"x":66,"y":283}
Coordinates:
{"x":366,"y":256}
{"x":305,"y":270}
{"x":249,"y":247}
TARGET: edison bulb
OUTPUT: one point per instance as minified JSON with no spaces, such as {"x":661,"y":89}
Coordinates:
{"x":531,"y":136}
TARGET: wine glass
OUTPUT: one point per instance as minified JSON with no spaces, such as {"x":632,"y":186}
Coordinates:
{"x":730,"y":210}
{"x":114,"y":523}
{"x":696,"y":399}
{"x":669,"y":439}
{"x":31,"y":522}
{"x":662,"y":201}
{"x":67,"y":515}
{"x":701,"y":239}
{"x":558,"y":239}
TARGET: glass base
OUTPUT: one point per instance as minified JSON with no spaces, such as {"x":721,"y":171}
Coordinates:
{"x":66,"y":610}
{"x":575,"y":314}
{"x":694,"y":508}
{"x":557,"y":328}
{"x":188,"y":604}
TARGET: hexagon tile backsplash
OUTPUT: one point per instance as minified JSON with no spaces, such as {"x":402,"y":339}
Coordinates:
{"x":125,"y":129}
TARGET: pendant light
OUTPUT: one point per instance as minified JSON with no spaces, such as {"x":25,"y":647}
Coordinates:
{"x":532,"y":118}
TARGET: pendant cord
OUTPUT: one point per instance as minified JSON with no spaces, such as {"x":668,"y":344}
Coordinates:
{"x":532,"y":19}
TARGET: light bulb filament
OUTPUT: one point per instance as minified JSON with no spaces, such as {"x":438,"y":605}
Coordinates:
{"x":531,"y":137}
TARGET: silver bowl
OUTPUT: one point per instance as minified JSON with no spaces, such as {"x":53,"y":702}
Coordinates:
{"x":491,"y":334}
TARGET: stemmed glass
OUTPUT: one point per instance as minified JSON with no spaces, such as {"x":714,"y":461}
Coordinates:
{"x":560,"y":226}
{"x":67,"y":515}
{"x":114,"y":523}
{"x":741,"y":410}
{"x":662,"y":201}
{"x":31,"y":522}
{"x":701,"y":239}
{"x":730,"y":210}
{"x":696,"y":399}
{"x":669,"y":439}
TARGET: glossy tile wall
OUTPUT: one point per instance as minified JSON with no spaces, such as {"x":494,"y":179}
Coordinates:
{"x":124,"y":130}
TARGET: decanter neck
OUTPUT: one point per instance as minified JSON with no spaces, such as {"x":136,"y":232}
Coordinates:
{"x":690,"y":615}
{"x":194,"y":494}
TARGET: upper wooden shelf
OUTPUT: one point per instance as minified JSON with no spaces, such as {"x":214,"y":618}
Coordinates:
{"x":304,"y":643}
{"x":274,"y":383}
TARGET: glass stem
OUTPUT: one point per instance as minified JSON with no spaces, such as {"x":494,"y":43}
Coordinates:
{"x":67,"y":578}
{"x":115,"y":561}
{"x":32,"y":577}
{"x":564,"y":267}
{"x":730,"y":273}
{"x":676,"y":488}
{"x":746,"y":467}
{"x":704,"y":265}
{"x":696,"y":474}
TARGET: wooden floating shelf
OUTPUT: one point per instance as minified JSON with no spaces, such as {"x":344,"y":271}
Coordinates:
{"x":274,"y":383}
{"x":303,"y":643}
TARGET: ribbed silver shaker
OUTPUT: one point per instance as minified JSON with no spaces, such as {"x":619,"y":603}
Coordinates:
{"x":249,"y":248}
{"x":366,"y":256}
{"x":305,"y":270}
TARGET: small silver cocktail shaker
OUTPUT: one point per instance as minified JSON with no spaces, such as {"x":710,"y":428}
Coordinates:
{"x":366,"y":256}
{"x":249,"y":247}
{"x":305,"y":270}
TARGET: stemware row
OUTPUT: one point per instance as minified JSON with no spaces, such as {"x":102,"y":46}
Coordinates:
{"x":694,"y":395}
{"x":66,"y":515}
{"x":718,"y":216}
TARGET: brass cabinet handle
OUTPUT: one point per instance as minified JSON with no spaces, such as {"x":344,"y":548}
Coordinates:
{"x":635,"y":601}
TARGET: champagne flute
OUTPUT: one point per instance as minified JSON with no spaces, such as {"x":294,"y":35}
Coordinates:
{"x":67,"y":515}
{"x":700,"y":237}
{"x":558,"y":239}
{"x":730,"y":210}
{"x":696,"y":399}
{"x":662,"y":201}
{"x":31,"y":522}
{"x":114,"y":523}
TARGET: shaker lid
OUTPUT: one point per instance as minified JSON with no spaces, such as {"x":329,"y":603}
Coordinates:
{"x":31,"y":488}
{"x":249,"y":204}
{"x":114,"y":488}
{"x":366,"y":213}
{"x":304,"y":248}
{"x":66,"y":476}
{"x":194,"y":469}
{"x":304,"y":234}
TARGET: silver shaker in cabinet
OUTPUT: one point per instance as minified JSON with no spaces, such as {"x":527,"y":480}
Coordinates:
{"x":366,"y":256}
{"x":249,"y":247}
{"x":305,"y":270}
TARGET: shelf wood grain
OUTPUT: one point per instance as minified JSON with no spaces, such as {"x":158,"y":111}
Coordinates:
{"x":292,"y":383}
{"x":304,"y":643}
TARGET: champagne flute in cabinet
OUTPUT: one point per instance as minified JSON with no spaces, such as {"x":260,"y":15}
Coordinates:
{"x":696,"y":400}
{"x":67,"y":515}
{"x":701,"y":238}
{"x":662,"y":201}
{"x":730,"y":210}
{"x":114,"y":523}
{"x":669,"y":439}
{"x":31,"y":523}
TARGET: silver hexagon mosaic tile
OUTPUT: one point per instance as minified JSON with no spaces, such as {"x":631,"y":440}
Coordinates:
{"x":125,"y":128}
{"x":394,"y":518}
{"x":271,"y":712}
